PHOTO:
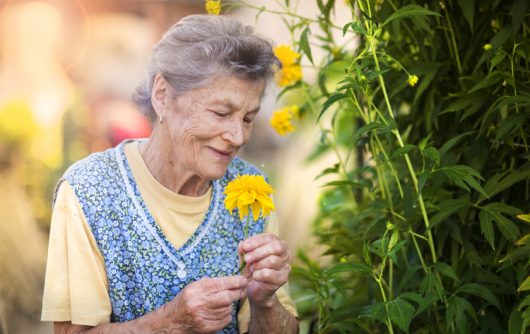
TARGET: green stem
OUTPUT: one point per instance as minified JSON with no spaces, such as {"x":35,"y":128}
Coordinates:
{"x":453,"y":39}
{"x":245,"y":236}
{"x":287,"y":12}
{"x":406,"y":156}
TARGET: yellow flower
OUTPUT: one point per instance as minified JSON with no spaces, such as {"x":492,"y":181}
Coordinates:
{"x":291,"y":72}
{"x":289,"y":75}
{"x":213,"y":6}
{"x":249,"y":191}
{"x":413,"y":80}
{"x":281,"y":120}
{"x":16,"y":121}
{"x":487,"y":47}
{"x":286,"y":55}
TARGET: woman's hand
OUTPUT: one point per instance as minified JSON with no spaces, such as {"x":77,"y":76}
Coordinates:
{"x":205,"y":306}
{"x":268,"y":266}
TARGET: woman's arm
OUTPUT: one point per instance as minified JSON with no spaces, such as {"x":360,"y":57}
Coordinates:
{"x":272,"y":318}
{"x":204,"y":306}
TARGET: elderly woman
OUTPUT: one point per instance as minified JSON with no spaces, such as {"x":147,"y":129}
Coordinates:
{"x":140,"y":240}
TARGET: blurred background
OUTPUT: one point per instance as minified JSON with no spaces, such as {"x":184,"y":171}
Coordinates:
{"x":67,"y":71}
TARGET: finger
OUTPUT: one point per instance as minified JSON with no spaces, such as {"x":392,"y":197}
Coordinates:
{"x":272,"y":262}
{"x":276,"y":247}
{"x":256,"y":241}
{"x":273,"y":278}
{"x":217,"y":284}
{"x":225,"y":298}
{"x":215,"y":325}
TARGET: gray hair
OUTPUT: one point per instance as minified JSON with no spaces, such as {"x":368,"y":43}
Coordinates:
{"x":199,"y":47}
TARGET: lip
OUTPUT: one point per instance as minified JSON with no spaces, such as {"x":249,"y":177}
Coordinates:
{"x":224,"y":155}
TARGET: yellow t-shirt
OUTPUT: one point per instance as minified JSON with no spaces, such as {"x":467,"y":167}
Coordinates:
{"x":76,"y":287}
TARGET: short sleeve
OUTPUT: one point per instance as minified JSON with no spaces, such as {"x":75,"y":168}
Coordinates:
{"x":75,"y":287}
{"x":243,"y":317}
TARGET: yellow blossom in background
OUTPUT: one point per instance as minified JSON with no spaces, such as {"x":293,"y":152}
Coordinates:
{"x":213,"y":6}
{"x":16,"y":121}
{"x":487,"y":47}
{"x":249,"y":192}
{"x":291,"y":72}
{"x":413,"y":80}
{"x":289,"y":75}
{"x":281,"y":120}
{"x":286,"y":55}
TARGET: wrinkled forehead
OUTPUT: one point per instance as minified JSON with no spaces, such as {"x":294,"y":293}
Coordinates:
{"x":229,"y":91}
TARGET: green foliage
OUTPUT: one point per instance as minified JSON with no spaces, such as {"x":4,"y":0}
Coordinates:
{"x":421,"y":216}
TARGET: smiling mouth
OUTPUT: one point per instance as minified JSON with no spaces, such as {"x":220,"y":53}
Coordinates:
{"x":223,"y":154}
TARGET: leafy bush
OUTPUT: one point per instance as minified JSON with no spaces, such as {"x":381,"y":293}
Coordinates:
{"x":430,"y":125}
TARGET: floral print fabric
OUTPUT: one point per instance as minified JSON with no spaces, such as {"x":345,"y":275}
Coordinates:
{"x":144,"y":270}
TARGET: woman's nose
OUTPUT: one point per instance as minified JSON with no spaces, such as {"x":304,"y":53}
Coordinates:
{"x":234,"y":133}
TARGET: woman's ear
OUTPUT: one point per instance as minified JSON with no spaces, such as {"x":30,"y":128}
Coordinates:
{"x":159,"y":95}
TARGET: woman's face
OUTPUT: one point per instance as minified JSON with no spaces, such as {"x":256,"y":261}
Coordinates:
{"x":208,"y":125}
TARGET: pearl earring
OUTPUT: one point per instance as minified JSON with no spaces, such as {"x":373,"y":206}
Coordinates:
{"x":161,"y":119}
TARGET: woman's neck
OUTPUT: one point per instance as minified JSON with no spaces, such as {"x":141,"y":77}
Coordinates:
{"x":165,"y":168}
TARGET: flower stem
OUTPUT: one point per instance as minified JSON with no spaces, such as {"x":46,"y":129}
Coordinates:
{"x":245,"y":235}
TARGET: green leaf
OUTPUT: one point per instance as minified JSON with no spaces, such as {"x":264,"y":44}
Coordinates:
{"x":486,"y":227}
{"x":515,"y":322}
{"x":457,"y":307}
{"x":304,"y":44}
{"x":480,"y":291}
{"x":518,"y":13}
{"x":365,"y":129}
{"x":346,"y":268}
{"x":464,"y":176}
{"x":422,"y":179}
{"x":409,"y":11}
{"x":446,"y":270}
{"x":452,"y":142}
{"x":402,"y":151}
{"x":499,"y":56}
{"x":524,"y":217}
{"x":431,"y":283}
{"x":330,"y":101}
{"x":525,"y":285}
{"x":468,"y":9}
{"x":466,"y":101}
{"x":432,"y":69}
{"x":329,"y":170}
{"x":363,"y":183}
{"x":355,"y":26}
{"x":494,"y":212}
{"x":401,"y":313}
{"x":523,"y":241}
{"x":516,"y":254}
{"x":504,"y":180}
{"x":510,"y":124}
{"x":375,"y":311}
{"x":491,"y":79}
{"x":447,"y":208}
{"x":497,"y":41}
{"x":432,"y":154}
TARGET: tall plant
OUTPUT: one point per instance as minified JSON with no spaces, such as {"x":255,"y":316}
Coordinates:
{"x":430,"y":119}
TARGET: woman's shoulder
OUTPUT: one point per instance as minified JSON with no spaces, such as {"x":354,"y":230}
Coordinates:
{"x":95,"y":164}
